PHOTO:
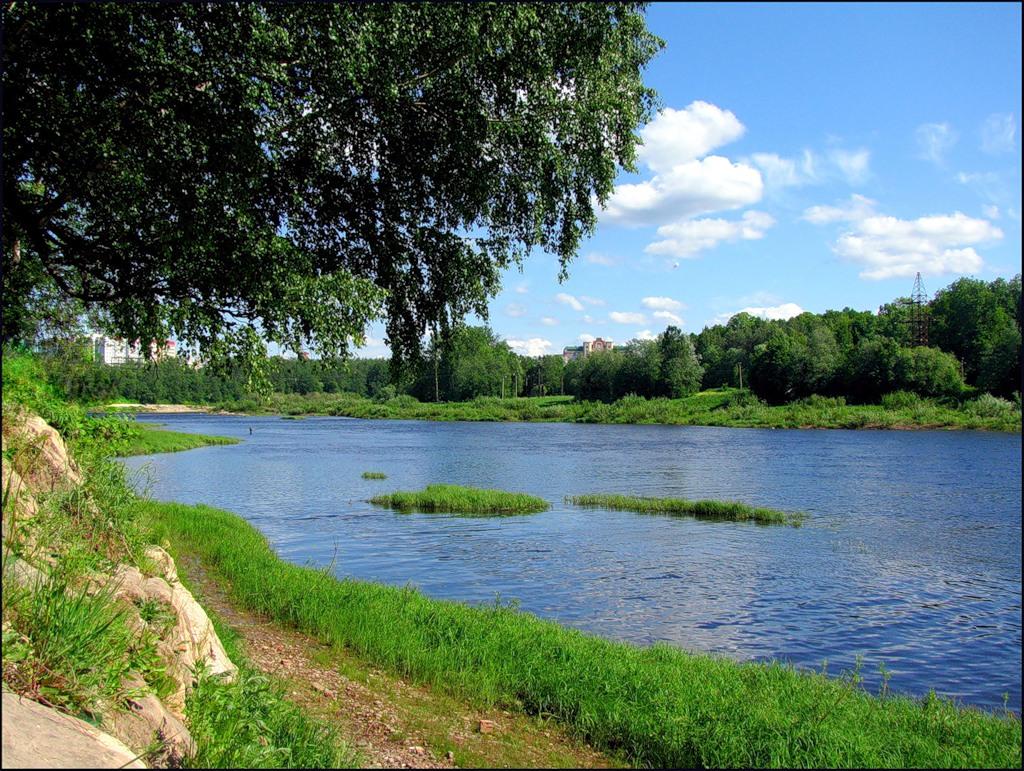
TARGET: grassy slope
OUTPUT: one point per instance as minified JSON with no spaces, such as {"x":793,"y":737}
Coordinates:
{"x":154,"y":440}
{"x":70,"y":646}
{"x":707,"y":408}
{"x":659,"y":706}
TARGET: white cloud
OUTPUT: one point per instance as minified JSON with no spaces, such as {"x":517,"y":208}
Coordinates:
{"x":548,"y":321}
{"x":934,"y":140}
{"x":999,"y":134}
{"x":586,"y":338}
{"x":599,"y":259}
{"x":568,"y":299}
{"x":786,"y":172}
{"x":645,"y":334}
{"x":676,"y":136}
{"x":523,"y":288}
{"x":992,"y":212}
{"x":853,"y":164}
{"x":888,"y":247}
{"x":535,"y":346}
{"x":669,"y":316}
{"x":620,"y":317}
{"x":688,"y":189}
{"x":857,"y":208}
{"x":687,"y":237}
{"x":783,"y":311}
{"x":662,"y":304}
{"x":591,"y":300}
{"x":515,"y":310}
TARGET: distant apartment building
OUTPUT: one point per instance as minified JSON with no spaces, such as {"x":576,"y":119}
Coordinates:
{"x":582,"y":351}
{"x":117,"y":350}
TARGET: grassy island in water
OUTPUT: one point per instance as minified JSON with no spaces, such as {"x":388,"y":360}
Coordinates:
{"x":723,"y":510}
{"x":455,"y":499}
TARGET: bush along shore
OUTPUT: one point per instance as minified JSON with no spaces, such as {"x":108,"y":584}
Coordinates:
{"x":455,"y":499}
{"x":658,"y":706}
{"x":721,"y":407}
{"x":720,"y":510}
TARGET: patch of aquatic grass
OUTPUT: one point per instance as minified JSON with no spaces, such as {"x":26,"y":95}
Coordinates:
{"x":658,"y":706}
{"x":374,"y":475}
{"x":723,"y":510}
{"x":150,"y":441}
{"x":462,"y":500}
{"x":248,"y":723}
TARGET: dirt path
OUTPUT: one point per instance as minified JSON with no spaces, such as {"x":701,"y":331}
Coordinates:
{"x":392,"y":723}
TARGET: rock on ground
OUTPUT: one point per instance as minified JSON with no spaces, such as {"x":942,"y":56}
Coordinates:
{"x":35,"y":736}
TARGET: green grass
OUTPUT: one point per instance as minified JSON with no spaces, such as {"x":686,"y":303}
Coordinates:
{"x":150,"y":441}
{"x":719,"y":407}
{"x":723,"y":510}
{"x":249,"y":723}
{"x":462,"y":500}
{"x":658,"y":706}
{"x":374,"y":475}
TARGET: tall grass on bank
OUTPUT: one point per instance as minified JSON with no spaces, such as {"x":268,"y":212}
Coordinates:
{"x":719,"y":407}
{"x":723,"y":510}
{"x":462,"y":500}
{"x":659,"y":706}
{"x":149,"y":441}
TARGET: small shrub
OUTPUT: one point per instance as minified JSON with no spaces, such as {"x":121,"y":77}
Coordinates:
{"x":989,"y":406}
{"x":898,"y":400}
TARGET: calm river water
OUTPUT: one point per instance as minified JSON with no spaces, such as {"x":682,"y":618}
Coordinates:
{"x":911,"y":556}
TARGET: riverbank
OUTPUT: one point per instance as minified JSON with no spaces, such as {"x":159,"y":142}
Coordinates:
{"x":148,"y":440}
{"x":659,"y":706}
{"x":728,"y":407}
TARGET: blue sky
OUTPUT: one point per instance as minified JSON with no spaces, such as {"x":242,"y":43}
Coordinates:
{"x":807,"y":157}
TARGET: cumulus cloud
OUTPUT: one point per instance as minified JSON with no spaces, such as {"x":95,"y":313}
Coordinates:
{"x":771,"y":313}
{"x":548,"y":321}
{"x":999,"y":134}
{"x":669,"y":316}
{"x":853,"y":164}
{"x":686,"y":190}
{"x":675,"y":136}
{"x":621,"y":317}
{"x":662,"y":304}
{"x":889,"y":247}
{"x":586,"y":338}
{"x":687,"y":237}
{"x":812,"y":168}
{"x":515,"y":310}
{"x":645,"y":334}
{"x":599,"y":259}
{"x":523,"y":288}
{"x":857,"y":208}
{"x":591,"y":300}
{"x":535,"y":346}
{"x":568,"y":299}
{"x":934,"y":140}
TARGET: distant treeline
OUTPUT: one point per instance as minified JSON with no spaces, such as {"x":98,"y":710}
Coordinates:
{"x":974,"y":344}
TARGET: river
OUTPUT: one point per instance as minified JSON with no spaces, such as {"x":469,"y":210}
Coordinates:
{"x":910,"y":557}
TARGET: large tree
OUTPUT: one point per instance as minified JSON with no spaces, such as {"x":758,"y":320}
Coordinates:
{"x":217,"y":171}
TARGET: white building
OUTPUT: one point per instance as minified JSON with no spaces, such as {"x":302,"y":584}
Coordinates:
{"x":116,"y":350}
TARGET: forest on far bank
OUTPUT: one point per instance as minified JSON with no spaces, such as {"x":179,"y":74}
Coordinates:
{"x":974,"y":344}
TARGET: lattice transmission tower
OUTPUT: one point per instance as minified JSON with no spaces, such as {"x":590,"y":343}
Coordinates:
{"x":917,"y":317}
